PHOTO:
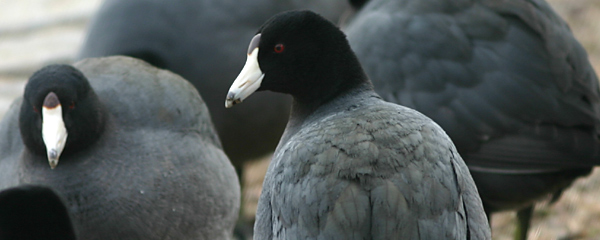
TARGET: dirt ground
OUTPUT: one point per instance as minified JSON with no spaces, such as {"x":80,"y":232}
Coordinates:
{"x":34,"y":33}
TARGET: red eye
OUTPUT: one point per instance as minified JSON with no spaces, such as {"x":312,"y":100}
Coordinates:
{"x":72,"y":105}
{"x":279,"y":48}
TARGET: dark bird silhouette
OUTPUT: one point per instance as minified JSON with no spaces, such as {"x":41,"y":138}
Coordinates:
{"x":506,"y":80}
{"x":34,"y":213}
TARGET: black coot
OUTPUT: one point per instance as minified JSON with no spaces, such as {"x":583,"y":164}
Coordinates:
{"x":350,"y":165}
{"x":506,"y":80}
{"x":134,"y":152}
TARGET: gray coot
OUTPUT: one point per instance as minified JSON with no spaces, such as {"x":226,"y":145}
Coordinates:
{"x":506,"y":80}
{"x":201,"y":40}
{"x":34,"y":213}
{"x":350,"y":165}
{"x":141,"y":158}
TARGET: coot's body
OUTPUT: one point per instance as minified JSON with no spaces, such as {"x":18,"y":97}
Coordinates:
{"x":148,"y":163}
{"x":506,"y":80}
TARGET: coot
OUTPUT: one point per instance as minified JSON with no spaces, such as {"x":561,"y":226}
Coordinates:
{"x":350,"y":165}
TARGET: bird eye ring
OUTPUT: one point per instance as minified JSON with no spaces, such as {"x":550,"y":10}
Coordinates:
{"x":279,"y":48}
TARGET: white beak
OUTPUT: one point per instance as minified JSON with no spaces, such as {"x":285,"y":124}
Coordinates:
{"x":54,"y":132}
{"x":249,"y":79}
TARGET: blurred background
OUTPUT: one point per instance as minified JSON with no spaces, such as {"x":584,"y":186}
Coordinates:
{"x":34,"y":33}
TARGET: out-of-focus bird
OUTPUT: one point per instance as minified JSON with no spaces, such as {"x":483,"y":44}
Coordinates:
{"x":32,"y":213}
{"x":507,"y":81}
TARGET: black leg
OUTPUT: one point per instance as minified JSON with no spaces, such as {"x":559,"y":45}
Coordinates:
{"x":523,"y":221}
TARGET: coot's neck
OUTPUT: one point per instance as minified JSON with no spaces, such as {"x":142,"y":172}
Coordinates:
{"x":331,"y":82}
{"x":302,"y":111}
{"x":302,"y":108}
{"x":343,"y":74}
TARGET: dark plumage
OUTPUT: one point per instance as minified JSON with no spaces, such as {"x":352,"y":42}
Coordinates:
{"x":506,"y":80}
{"x":201,"y":40}
{"x":141,"y":160}
{"x":34,"y":213}
{"x":350,"y":165}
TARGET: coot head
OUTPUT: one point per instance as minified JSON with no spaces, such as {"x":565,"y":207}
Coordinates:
{"x":60,"y":113}
{"x":298,"y":53}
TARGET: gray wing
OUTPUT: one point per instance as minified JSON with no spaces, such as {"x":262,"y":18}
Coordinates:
{"x":11,"y":145}
{"x":370,"y":176}
{"x":506,"y":79}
